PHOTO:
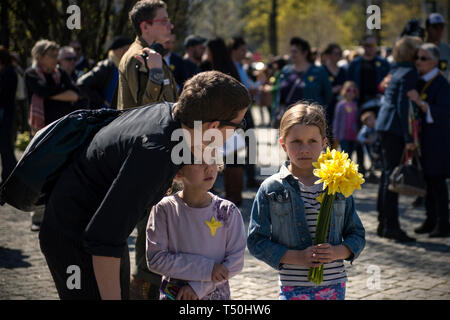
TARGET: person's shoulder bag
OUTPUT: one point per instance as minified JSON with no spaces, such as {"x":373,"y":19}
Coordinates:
{"x":407,"y":178}
{"x":49,"y":152}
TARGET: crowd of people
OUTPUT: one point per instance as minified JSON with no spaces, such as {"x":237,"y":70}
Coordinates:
{"x":357,"y":101}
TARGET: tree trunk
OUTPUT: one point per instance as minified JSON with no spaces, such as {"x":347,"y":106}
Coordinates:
{"x":4,"y":35}
{"x":122,"y":20}
{"x":273,"y":37}
{"x":103,"y":35}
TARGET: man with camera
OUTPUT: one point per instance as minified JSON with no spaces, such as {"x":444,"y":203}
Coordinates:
{"x":143,"y":83}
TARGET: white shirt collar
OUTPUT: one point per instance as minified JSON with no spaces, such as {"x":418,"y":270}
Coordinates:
{"x":430,"y":75}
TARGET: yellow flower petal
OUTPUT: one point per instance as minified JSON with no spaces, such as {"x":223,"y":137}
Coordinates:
{"x":337,"y":172}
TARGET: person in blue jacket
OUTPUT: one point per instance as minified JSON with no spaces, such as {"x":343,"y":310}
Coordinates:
{"x":367,"y":72}
{"x":301,"y":80}
{"x":393,"y":127}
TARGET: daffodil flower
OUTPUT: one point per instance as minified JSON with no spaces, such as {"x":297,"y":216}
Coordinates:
{"x":338,"y":174}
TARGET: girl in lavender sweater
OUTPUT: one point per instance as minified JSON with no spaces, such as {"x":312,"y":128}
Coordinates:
{"x":345,"y":123}
{"x":195,"y":239}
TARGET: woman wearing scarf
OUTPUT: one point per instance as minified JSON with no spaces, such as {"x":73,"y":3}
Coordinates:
{"x":433,"y":99}
{"x":50,"y":90}
{"x":50,"y":93}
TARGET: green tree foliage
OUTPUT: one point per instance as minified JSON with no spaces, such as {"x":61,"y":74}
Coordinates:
{"x":218,"y":18}
{"x":320,"y":22}
{"x":394,"y":17}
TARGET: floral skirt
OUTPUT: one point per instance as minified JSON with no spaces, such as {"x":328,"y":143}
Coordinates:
{"x":331,"y":292}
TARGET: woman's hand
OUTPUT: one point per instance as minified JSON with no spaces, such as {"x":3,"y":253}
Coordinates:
{"x":67,"y":96}
{"x":186,"y":293}
{"x":385,"y":82}
{"x":337,"y":89}
{"x":153,"y":60}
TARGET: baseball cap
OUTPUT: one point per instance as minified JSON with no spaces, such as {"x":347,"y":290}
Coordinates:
{"x":119,"y":42}
{"x":435,"y":18}
{"x":193,"y":40}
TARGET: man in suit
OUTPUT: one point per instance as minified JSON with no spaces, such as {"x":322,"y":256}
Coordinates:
{"x":175,"y":62}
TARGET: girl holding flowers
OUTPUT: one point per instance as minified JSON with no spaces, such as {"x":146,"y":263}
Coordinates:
{"x":286,"y":230}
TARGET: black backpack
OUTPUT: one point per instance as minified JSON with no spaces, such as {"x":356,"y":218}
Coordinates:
{"x":48,"y":154}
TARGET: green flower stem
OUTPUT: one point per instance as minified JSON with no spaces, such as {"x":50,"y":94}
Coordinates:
{"x":323,"y":223}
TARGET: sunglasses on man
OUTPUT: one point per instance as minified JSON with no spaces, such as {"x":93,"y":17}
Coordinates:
{"x":70,"y":59}
{"x":241,"y":125}
{"x":422,"y":58}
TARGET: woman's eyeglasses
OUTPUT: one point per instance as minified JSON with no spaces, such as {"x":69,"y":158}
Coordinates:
{"x":351,"y":90}
{"x":422,"y":58}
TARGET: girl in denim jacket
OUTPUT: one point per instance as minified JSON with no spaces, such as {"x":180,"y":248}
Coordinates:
{"x":284,"y":215}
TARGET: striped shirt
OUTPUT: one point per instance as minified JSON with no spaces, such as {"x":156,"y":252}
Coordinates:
{"x":294,"y":275}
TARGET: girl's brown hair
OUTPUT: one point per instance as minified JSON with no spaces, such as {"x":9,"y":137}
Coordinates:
{"x":303,"y":112}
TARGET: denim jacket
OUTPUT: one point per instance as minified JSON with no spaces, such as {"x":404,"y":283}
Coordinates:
{"x":278,"y":221}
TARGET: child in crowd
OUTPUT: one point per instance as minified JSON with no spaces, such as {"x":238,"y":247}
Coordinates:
{"x":195,"y":239}
{"x":345,"y":123}
{"x":284,"y":215}
{"x":367,"y":136}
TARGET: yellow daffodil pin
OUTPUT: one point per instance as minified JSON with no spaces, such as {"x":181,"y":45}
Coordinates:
{"x":213,"y":225}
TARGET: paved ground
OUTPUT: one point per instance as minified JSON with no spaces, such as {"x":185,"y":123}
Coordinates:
{"x":385,"y":269}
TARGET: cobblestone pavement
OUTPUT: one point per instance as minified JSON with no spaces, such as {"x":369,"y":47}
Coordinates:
{"x":385,"y":269}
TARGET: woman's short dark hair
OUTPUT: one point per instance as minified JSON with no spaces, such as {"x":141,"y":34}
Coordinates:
{"x":330,"y":47}
{"x":211,"y":96}
{"x":304,"y":46}
{"x":144,"y":10}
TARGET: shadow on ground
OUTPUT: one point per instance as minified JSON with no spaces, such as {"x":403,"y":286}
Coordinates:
{"x":12,"y":259}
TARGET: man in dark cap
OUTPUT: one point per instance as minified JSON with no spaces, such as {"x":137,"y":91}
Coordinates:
{"x":195,"y":48}
{"x":100,"y":84}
